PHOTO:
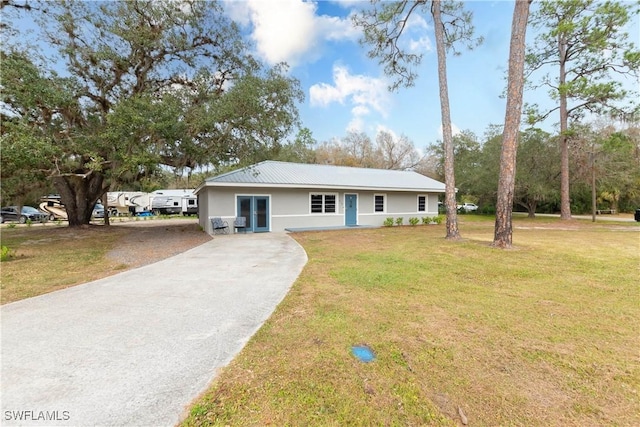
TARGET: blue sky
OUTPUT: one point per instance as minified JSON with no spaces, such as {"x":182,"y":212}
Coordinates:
{"x":345,"y":90}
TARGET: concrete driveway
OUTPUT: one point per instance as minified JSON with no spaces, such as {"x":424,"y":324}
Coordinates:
{"x":136,"y":348}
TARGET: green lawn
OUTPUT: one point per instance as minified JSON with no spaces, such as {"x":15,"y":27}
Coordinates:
{"x":545,"y":334}
{"x":46,"y":258}
{"x":53,"y":257}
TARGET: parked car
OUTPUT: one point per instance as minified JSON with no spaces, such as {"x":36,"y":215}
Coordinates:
{"x":98,"y":211}
{"x":468,"y":207}
{"x":10,"y":213}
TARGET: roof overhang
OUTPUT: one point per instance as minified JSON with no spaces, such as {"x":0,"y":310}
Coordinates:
{"x":314,"y":187}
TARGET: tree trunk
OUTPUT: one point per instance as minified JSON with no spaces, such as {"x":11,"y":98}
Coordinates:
{"x":530,"y":205}
{"x":447,"y":136}
{"x":79,"y":193}
{"x":531,"y":209}
{"x":594,"y":205}
{"x":506,"y":184}
{"x":105,"y":205}
{"x":565,"y":200}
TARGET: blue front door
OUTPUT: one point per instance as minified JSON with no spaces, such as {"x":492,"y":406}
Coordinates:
{"x":350,"y":209}
{"x":256,"y":210}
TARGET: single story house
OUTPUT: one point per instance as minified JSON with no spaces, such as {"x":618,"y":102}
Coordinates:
{"x":278,"y":196}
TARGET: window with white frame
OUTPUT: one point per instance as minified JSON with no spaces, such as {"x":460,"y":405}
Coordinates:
{"x":422,"y":203}
{"x":323,"y":203}
{"x":379,"y":203}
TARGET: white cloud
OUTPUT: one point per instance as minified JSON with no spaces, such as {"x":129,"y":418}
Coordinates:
{"x":363,"y":94}
{"x":238,"y":12}
{"x":362,"y":91}
{"x":382,"y":128}
{"x":348,"y":3}
{"x":356,"y":125}
{"x":323,"y":94}
{"x":421,"y":45}
{"x":360,"y":110}
{"x":335,"y":28}
{"x":417,"y":22}
{"x":288,"y":30}
{"x":283,"y":30}
{"x":418,"y":30}
{"x":455,"y":130}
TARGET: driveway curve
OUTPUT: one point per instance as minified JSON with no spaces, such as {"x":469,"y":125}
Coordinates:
{"x":136,"y":348}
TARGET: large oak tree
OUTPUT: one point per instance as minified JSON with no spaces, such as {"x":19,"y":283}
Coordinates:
{"x":146,"y":83}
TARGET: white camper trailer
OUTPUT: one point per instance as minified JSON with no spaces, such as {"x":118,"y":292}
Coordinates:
{"x":159,"y":202}
{"x":171,"y":202}
{"x":128,"y":202}
{"x":189,"y":205}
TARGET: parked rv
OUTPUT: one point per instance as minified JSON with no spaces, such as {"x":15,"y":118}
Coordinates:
{"x":166,"y":205}
{"x":53,"y":207}
{"x":172,"y":202}
{"x":121,"y":203}
{"x":189,"y":205}
{"x":159,"y":202}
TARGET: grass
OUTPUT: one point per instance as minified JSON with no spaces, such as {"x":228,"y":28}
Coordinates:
{"x":45,"y":259}
{"x":545,"y":334}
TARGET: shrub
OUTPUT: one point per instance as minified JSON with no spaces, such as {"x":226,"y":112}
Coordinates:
{"x":388,"y":222}
{"x":399,"y":220}
{"x":426,"y":220}
{"x":414,"y":221}
{"x":5,"y":253}
{"x":437,"y":219}
{"x":487,"y":210}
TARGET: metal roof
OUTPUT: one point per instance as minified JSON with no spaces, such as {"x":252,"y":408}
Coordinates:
{"x":299,"y":175}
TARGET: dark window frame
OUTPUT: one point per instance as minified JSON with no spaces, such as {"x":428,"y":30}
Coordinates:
{"x":422,"y":207}
{"x":323,"y":203}
{"x":379,"y":206}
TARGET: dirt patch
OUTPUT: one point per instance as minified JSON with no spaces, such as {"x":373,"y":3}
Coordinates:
{"x":54,"y":257}
{"x":151,"y":241}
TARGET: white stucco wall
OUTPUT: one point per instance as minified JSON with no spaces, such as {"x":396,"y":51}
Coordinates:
{"x":290,"y":208}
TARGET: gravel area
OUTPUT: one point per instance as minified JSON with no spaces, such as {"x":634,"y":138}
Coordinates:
{"x":149,"y":241}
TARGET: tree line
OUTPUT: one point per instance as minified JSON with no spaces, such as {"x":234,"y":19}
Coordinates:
{"x":605,"y":150}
